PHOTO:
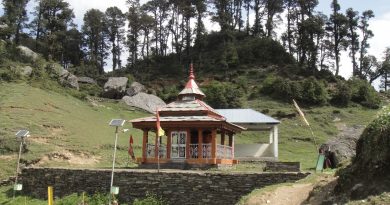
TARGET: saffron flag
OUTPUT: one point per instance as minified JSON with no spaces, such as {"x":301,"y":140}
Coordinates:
{"x":160,"y":131}
{"x":130,"y":151}
{"x":301,"y":113}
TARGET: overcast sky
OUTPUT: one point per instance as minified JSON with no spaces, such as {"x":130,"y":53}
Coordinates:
{"x":380,"y":25}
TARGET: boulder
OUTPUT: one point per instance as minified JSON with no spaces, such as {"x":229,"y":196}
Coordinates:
{"x":65,"y":77}
{"x":343,"y":146}
{"x":26,"y":70}
{"x":135,"y":88}
{"x":71,"y":81}
{"x":86,"y":80}
{"x":25,"y":51}
{"x":3,"y":26}
{"x":115,"y":87}
{"x":144,"y":101}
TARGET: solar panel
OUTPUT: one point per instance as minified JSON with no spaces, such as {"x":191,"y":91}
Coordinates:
{"x":22,"y":133}
{"x":117,"y":122}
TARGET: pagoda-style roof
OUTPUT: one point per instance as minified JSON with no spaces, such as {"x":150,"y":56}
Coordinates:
{"x":191,"y":89}
{"x":188,"y":111}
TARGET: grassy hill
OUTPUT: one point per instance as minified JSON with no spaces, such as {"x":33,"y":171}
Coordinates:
{"x":66,"y":131}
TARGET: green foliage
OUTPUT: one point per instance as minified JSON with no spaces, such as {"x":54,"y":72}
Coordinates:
{"x":342,"y":94}
{"x":309,"y":91}
{"x":150,"y":199}
{"x":370,"y":166}
{"x":363,"y":93}
{"x":169,"y":93}
{"x":223,"y":95}
{"x":90,"y":89}
{"x":9,"y":74}
{"x":314,"y":92}
{"x":263,"y":51}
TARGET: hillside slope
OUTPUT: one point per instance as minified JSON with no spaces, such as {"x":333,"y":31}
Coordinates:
{"x":65,"y":131}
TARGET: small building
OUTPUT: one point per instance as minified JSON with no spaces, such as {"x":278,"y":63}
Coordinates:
{"x":256,"y":122}
{"x":196,"y":135}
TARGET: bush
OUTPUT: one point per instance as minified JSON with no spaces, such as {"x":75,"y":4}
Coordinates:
{"x":314,"y":92}
{"x":150,"y":199}
{"x":72,"y":199}
{"x":309,"y":91}
{"x":169,"y":93}
{"x":363,"y":93}
{"x":91,"y":89}
{"x":221,"y":95}
{"x":342,"y":94}
{"x":8,"y":74}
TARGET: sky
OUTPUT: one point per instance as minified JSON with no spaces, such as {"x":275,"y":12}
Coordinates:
{"x":380,"y":25}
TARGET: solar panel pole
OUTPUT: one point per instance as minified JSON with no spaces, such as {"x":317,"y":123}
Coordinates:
{"x":20,"y":134}
{"x":117,"y":123}
{"x":113,"y":162}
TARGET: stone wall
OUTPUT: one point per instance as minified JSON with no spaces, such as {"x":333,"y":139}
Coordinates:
{"x":176,"y":187}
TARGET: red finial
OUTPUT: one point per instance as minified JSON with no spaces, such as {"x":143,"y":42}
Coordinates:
{"x":192,"y":76}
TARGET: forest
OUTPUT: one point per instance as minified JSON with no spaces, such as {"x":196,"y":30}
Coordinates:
{"x":161,"y":28}
{"x":299,"y":46}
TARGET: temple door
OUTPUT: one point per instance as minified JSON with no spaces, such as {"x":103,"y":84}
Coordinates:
{"x":178,"y":144}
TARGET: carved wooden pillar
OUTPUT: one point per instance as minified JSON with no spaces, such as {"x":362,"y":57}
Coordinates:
{"x":222,"y":138}
{"x":169,"y":144}
{"x":213,"y":143}
{"x":144,"y":144}
{"x":200,"y":144}
{"x":188,"y":140}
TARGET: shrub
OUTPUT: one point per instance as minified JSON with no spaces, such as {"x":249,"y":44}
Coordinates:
{"x":8,"y":74}
{"x":309,"y":91}
{"x":220,"y":95}
{"x":150,"y":199}
{"x":363,"y":93}
{"x":91,"y":89}
{"x":314,"y":92}
{"x":342,"y":94}
{"x":169,"y":93}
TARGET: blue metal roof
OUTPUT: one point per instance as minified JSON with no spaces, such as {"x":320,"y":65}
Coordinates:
{"x":246,"y":116}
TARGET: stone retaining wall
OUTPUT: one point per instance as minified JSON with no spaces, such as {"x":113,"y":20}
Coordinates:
{"x":174,"y":186}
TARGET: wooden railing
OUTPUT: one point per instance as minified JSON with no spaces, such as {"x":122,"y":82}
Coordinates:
{"x":224,"y":152}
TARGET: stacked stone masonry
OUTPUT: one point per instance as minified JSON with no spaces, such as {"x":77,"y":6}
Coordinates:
{"x":175,"y":187}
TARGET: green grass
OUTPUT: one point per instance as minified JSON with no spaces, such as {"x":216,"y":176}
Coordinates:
{"x":295,"y":140}
{"x":60,"y":122}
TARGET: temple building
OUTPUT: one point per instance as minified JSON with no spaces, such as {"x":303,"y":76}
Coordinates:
{"x":195,"y":134}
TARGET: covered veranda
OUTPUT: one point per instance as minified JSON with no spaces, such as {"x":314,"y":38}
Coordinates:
{"x":257,"y":122}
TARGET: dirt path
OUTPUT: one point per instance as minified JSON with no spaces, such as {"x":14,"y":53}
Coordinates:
{"x":296,"y":194}
{"x":292,"y":195}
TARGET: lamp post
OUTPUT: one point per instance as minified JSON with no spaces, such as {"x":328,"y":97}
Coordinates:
{"x":22,"y":134}
{"x":115,"y":123}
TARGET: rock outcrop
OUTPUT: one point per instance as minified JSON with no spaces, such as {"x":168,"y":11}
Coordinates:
{"x":25,"y":51}
{"x":115,"y":87}
{"x":86,"y":80}
{"x":144,"y":101}
{"x":135,"y":88}
{"x":65,"y":77}
{"x":368,"y":174}
{"x":343,"y":147}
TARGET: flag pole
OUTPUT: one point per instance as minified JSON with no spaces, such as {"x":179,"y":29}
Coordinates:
{"x":306,"y":122}
{"x":158,"y":127}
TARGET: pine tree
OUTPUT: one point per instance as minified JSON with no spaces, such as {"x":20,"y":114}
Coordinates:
{"x":15,"y":17}
{"x":115,"y":21}
{"x":94,"y":30}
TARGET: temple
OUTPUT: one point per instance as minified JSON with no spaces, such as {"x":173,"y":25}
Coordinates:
{"x":195,"y":134}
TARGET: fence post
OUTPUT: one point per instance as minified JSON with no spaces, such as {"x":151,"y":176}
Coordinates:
{"x":50,"y":195}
